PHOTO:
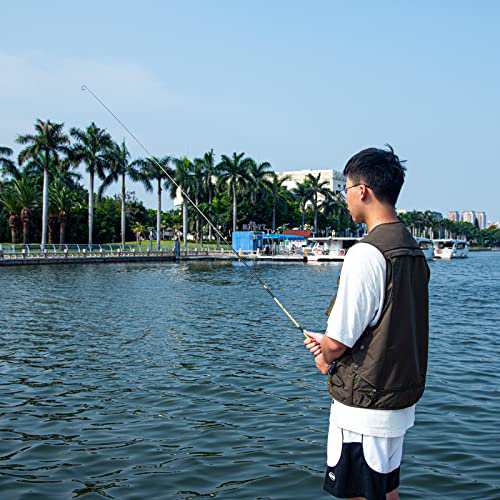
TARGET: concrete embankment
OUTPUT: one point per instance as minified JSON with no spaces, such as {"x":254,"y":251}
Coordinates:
{"x":48,"y":259}
{"x":104,"y":259}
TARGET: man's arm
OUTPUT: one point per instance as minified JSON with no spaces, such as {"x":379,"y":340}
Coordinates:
{"x":324,"y":349}
{"x":332,"y":349}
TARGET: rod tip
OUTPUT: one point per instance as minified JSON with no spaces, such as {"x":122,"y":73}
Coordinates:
{"x":84,"y":88}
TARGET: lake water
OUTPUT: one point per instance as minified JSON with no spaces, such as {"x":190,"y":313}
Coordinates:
{"x":186,"y":381}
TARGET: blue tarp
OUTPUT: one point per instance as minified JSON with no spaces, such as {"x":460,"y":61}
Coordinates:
{"x":250,"y":241}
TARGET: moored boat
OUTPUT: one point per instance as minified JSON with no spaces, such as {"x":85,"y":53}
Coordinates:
{"x":427,"y":247}
{"x":328,"y":249}
{"x":450,"y":249}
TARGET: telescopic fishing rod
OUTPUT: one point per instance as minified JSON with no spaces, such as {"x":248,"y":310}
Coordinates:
{"x":264,"y":285}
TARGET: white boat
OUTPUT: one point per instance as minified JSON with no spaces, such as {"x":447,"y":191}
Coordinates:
{"x":427,"y":246}
{"x":328,"y":249}
{"x":451,"y":249}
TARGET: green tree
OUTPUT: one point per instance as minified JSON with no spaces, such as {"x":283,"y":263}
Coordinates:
{"x":184,"y":177}
{"x":234,"y":173}
{"x":278,"y":194}
{"x":153,"y":169}
{"x":7,"y":166}
{"x":118,"y":168}
{"x":302,"y":194}
{"x":62,"y":199}
{"x":259,"y":175}
{"x":90,"y":148}
{"x":47,"y":143}
{"x":209,"y":172}
{"x":317,"y":187}
{"x":10,"y":201}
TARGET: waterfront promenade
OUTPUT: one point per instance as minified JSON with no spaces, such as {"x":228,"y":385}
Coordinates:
{"x":112,"y":253}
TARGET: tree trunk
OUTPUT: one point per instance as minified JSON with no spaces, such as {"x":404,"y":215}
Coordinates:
{"x":274,"y":215}
{"x":45,"y":201}
{"x":235,"y":210}
{"x":197,"y":222}
{"x":158,"y":215}
{"x":91,"y":206}
{"x":315,"y":216}
{"x":122,"y":221}
{"x":210,"y":212}
{"x":25,"y":221}
{"x":52,"y":227}
{"x":62,"y":227}
{"x":13,"y":222}
{"x":184,"y":222}
{"x":303,"y":216}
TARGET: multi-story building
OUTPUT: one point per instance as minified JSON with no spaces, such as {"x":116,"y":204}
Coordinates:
{"x":454,"y":215}
{"x":336,"y":181}
{"x":481,"y":220}
{"x":469,"y":216}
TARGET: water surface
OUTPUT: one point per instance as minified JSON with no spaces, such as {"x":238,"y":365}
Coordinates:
{"x":185,"y":381}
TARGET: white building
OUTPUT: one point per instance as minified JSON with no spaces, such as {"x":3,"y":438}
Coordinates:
{"x":336,"y":181}
{"x":481,"y":220}
{"x":454,"y":215}
{"x":469,"y":216}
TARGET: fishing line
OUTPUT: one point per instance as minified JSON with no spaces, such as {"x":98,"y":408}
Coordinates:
{"x":264,"y":285}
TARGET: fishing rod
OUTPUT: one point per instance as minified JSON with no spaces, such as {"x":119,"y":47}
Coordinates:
{"x":264,"y":285}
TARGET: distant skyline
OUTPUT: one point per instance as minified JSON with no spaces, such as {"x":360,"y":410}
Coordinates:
{"x":299,"y":85}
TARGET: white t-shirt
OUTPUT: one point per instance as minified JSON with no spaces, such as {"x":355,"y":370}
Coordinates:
{"x":359,"y":302}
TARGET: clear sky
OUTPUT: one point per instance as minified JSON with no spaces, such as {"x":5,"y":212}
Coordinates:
{"x":300,"y":84}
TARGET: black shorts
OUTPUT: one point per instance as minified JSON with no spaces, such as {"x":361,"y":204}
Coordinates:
{"x":353,"y":477}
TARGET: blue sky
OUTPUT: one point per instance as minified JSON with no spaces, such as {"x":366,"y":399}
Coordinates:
{"x":300,"y":84}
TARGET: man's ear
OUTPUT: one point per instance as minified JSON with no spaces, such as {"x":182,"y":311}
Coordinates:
{"x":363,"y":193}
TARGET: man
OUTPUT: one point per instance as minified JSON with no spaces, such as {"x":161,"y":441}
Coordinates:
{"x":375,"y":346}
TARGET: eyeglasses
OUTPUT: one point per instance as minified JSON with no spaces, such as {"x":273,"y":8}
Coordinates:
{"x":346,"y":188}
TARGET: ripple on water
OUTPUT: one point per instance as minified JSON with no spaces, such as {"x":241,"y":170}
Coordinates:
{"x":183,"y":381}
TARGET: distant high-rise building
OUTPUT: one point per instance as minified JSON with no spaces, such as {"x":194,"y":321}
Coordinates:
{"x":481,"y":220}
{"x":454,"y":215}
{"x":469,"y":216}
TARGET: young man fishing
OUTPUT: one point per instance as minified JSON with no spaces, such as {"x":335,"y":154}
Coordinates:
{"x":374,"y":350}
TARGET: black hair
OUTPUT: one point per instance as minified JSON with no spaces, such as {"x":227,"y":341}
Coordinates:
{"x":379,"y":169}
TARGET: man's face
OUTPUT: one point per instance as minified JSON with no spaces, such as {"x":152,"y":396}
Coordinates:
{"x":353,"y":196}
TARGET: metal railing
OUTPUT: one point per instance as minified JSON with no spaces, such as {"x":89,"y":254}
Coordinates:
{"x":36,"y":251}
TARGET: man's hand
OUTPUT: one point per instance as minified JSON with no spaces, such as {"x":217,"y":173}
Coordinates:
{"x":313,"y":342}
{"x":313,"y":345}
{"x":321,"y":364}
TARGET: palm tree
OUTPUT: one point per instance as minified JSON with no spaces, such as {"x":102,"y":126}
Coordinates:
{"x":334,"y":206}
{"x":316,"y":187}
{"x":119,"y":167}
{"x":209,"y":171}
{"x":278,"y":193}
{"x":48,"y":142}
{"x":20,"y":195}
{"x":7,"y":166}
{"x":91,"y":149}
{"x":234,"y":173}
{"x":153,"y":169}
{"x":302,"y":194}
{"x":184,"y":177}
{"x":62,"y":199}
{"x":259,"y":174}
{"x":12,"y":205}
{"x":138,"y":229}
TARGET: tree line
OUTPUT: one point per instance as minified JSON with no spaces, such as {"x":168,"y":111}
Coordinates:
{"x":41,"y":193}
{"x":432,"y":225}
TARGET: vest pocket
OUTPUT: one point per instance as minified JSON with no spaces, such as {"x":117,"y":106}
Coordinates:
{"x":363,"y":393}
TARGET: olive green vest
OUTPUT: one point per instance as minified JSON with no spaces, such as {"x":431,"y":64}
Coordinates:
{"x":386,"y":368}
